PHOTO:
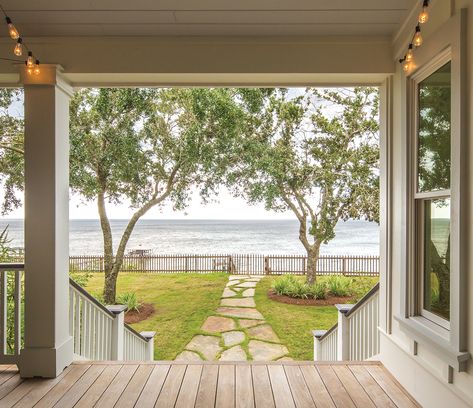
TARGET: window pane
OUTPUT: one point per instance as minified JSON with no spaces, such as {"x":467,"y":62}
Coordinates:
{"x":437,"y":257}
{"x":434,"y":131}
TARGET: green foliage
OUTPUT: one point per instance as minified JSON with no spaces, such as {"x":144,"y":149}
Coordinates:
{"x":81,"y":278}
{"x":11,"y":148}
{"x":315,"y":153}
{"x":339,"y":285}
{"x":130,"y":300}
{"x":292,"y":286}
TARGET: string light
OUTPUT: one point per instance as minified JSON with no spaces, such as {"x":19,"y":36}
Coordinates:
{"x":424,"y":14}
{"x":18,"y":50}
{"x":32,"y":63}
{"x":30,"y":60}
{"x":12,"y":31}
{"x":418,"y":37}
{"x":408,"y":60}
{"x":36,"y":69}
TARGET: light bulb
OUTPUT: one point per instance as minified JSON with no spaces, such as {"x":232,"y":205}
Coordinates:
{"x":18,"y":50}
{"x":30,"y":60}
{"x":424,"y":14}
{"x":36,"y":68}
{"x":417,"y":38}
{"x":409,"y":54}
{"x":406,"y":66}
{"x":12,"y":31}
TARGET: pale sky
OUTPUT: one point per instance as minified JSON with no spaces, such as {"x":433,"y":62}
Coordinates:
{"x":227,"y":207}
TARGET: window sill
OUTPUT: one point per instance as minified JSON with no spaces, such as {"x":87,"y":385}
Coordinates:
{"x":434,"y":338}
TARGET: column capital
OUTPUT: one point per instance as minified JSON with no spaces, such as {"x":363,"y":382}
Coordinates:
{"x":50,"y":74}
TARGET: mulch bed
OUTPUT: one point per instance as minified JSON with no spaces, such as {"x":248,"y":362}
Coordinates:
{"x":330,"y":301}
{"x":146,"y":310}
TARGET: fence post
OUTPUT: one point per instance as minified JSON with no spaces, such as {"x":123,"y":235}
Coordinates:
{"x":317,"y":344}
{"x":118,"y":331}
{"x":266,"y":265}
{"x":149,"y":335}
{"x":343,"y":340}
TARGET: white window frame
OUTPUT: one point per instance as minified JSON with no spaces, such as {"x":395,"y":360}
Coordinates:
{"x":448,"y":341}
{"x":419,"y":198}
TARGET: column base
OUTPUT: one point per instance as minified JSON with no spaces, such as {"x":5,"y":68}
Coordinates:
{"x":45,"y":362}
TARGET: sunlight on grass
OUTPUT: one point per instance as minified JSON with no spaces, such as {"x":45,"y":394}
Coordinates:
{"x":182,"y":303}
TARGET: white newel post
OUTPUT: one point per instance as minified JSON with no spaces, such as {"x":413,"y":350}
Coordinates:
{"x":48,"y":347}
{"x":149,"y":335}
{"x":343,"y":339}
{"x":118,"y":331}
{"x":317,"y":344}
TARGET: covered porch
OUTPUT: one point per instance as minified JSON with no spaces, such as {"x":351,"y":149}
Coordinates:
{"x":333,"y":43}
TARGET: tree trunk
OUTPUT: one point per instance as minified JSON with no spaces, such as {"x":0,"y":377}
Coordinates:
{"x":312,"y":257}
{"x":109,"y":287}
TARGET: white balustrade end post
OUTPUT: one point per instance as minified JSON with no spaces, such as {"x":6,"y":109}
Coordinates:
{"x":118,"y":331}
{"x":149,"y":335}
{"x":343,"y":338}
{"x":317,"y":344}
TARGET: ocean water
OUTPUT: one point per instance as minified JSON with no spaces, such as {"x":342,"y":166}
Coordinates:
{"x":212,"y":237}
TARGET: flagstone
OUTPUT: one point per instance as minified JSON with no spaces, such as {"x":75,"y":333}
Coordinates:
{"x":240,"y":312}
{"x":233,"y":337}
{"x":248,"y":293}
{"x":228,"y":293}
{"x":232,"y":277}
{"x":262,"y":351}
{"x":240,"y":302}
{"x":233,"y":283}
{"x":245,"y":323}
{"x":263,"y":332}
{"x":208,"y":346}
{"x":285,"y":359}
{"x":247,"y":284}
{"x":233,"y":354}
{"x":218,"y":324}
{"x":188,"y":356}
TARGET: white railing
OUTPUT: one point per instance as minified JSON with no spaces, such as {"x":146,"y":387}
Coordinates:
{"x":11,"y":315}
{"x":133,"y":346}
{"x":355,"y":336}
{"x":100,"y":333}
{"x":363,"y":327}
{"x":326,"y":348}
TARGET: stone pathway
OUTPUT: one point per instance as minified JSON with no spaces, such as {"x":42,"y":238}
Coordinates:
{"x":237,"y":331}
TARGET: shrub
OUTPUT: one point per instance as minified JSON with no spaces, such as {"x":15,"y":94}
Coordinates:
{"x":130,"y":300}
{"x":289,"y":285}
{"x":81,"y":278}
{"x":339,"y":285}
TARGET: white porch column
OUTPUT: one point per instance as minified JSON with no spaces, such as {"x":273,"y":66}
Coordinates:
{"x":48,"y":347}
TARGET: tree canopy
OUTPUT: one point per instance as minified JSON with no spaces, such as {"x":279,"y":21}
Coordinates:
{"x":315,"y":153}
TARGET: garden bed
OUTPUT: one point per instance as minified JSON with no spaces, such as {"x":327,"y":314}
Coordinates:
{"x":134,"y":316}
{"x":329,"y":301}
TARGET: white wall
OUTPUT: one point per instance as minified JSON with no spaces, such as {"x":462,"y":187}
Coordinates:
{"x":421,"y":371}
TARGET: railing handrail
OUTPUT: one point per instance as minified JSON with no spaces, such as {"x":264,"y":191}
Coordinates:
{"x":363,"y":300}
{"x":357,"y":305}
{"x":328,"y":332}
{"x":12,"y":266}
{"x":89,"y":297}
{"x":132,"y":330}
{"x":86,"y":294}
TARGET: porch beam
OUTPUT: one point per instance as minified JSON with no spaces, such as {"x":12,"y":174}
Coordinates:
{"x":48,"y":346}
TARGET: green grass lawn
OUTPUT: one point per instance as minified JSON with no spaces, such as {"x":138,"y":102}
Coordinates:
{"x":293,"y":323}
{"x":182,"y":303}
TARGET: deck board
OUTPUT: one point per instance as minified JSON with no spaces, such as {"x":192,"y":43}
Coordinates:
{"x":206,"y":384}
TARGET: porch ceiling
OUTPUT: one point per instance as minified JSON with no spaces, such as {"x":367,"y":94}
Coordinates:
{"x":208,"y":17}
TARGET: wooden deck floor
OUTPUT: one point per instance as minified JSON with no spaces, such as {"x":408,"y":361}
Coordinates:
{"x":180,"y":384}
